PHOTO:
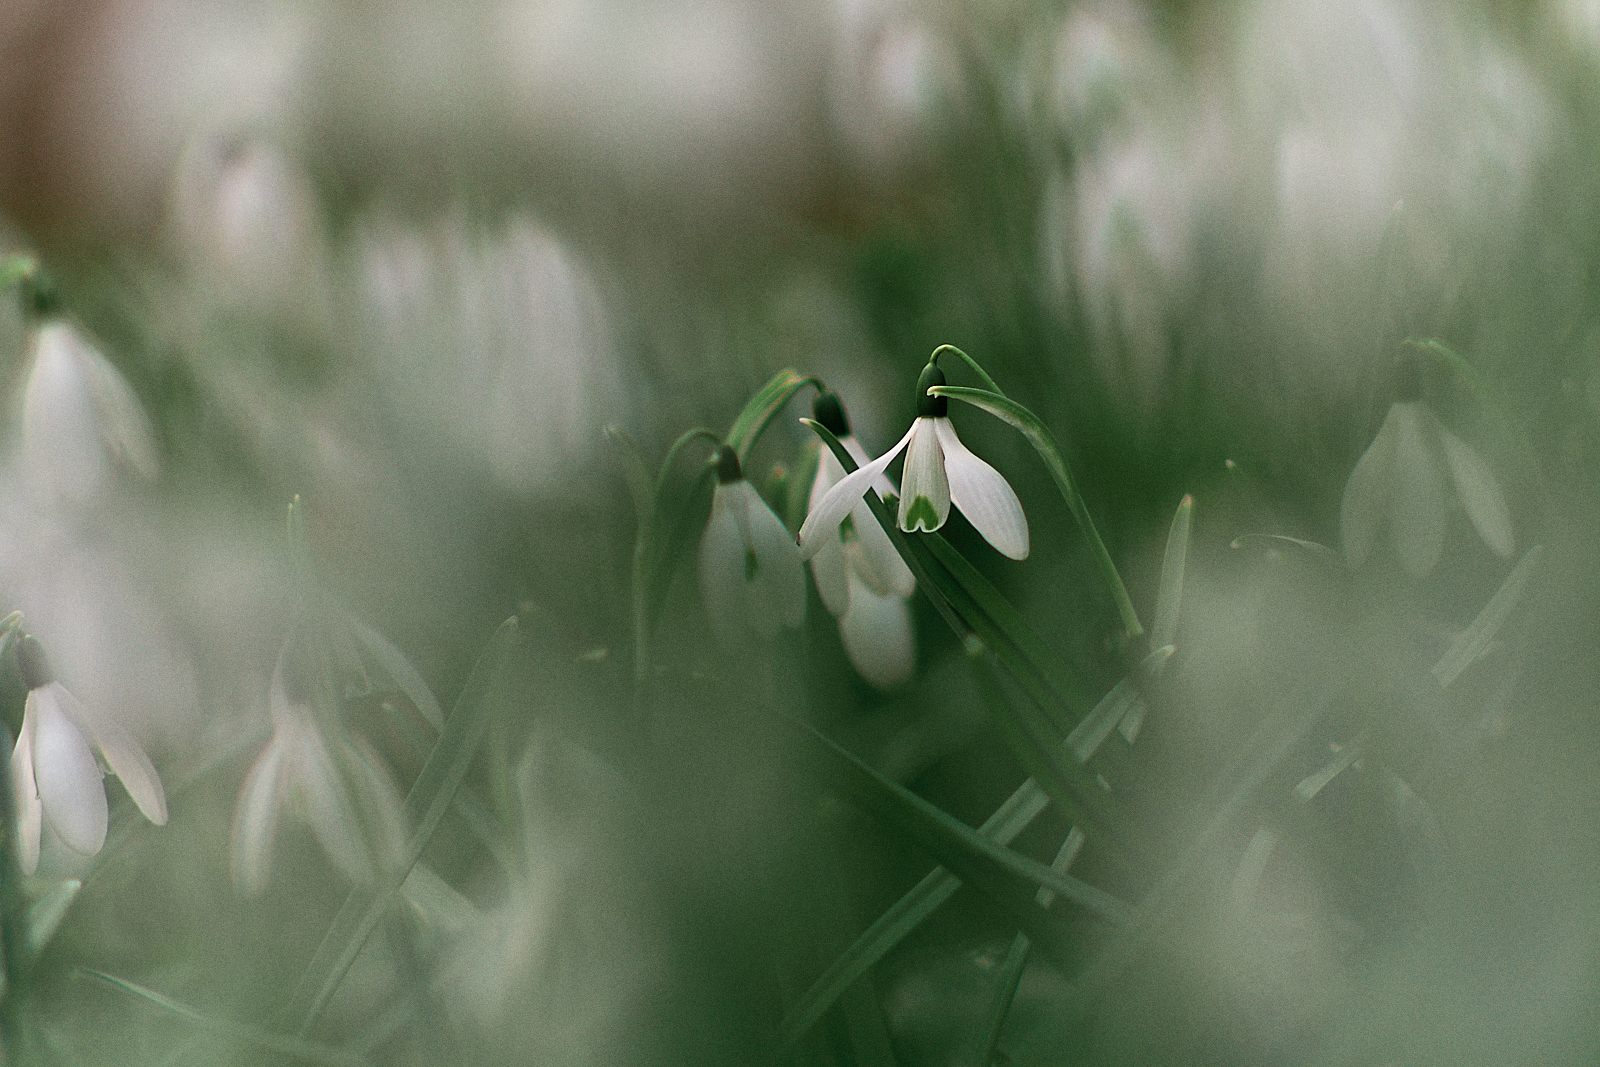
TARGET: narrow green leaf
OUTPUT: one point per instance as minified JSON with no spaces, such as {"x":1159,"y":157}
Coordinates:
{"x":1476,"y":637}
{"x":1010,"y":622}
{"x":1169,"y":597}
{"x":637,"y":471}
{"x":1314,"y":783}
{"x":45,"y":915}
{"x":296,"y":1048}
{"x":1028,"y":424}
{"x":1047,"y":762}
{"x":939,"y":885}
{"x":763,"y":407}
{"x":426,"y":803}
{"x":989,"y":868}
{"x":1016,"y":960}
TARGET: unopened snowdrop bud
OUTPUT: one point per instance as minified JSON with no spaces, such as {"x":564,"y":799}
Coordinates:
{"x":1400,"y":481}
{"x":939,"y":471}
{"x":54,"y":769}
{"x":750,"y":575}
{"x":80,"y":418}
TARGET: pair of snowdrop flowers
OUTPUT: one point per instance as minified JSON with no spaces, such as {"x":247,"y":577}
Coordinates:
{"x":56,"y":773}
{"x":1404,"y":481}
{"x":750,"y":575}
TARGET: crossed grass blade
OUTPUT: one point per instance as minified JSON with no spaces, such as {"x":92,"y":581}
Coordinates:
{"x":426,"y":803}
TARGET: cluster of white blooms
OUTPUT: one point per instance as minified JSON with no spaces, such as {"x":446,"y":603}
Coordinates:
{"x":750,"y":575}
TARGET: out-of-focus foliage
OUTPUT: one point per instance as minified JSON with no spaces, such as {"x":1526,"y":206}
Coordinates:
{"x":407,"y":261}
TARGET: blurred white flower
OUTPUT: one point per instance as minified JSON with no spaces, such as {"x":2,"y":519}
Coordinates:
{"x":939,"y":471}
{"x":877,"y":635}
{"x":892,"y":74}
{"x":494,"y":343}
{"x":245,"y":222}
{"x":337,"y":784}
{"x":860,"y":577}
{"x":750,"y":575}
{"x":54,"y":771}
{"x":1401,"y":481}
{"x":548,"y":968}
{"x":80,"y":418}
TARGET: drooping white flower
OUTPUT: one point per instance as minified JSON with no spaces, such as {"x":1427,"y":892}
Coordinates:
{"x":79,"y":417}
{"x":338,"y":785}
{"x":750,"y":575}
{"x":939,"y":471}
{"x":54,"y":770}
{"x":877,"y":635}
{"x":1401,"y":481}
{"x":857,"y":544}
{"x":860,"y":577}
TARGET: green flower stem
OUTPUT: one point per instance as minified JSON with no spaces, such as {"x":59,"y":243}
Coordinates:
{"x":1026,"y":422}
{"x":764,"y":407}
{"x":983,"y":375}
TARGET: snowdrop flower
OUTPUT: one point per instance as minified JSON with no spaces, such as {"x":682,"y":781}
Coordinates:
{"x":54,"y":770}
{"x":79,"y":416}
{"x":858,"y":544}
{"x":939,"y":471}
{"x":862,"y":580}
{"x":1401,"y":480}
{"x":750,"y":575}
{"x":335,"y":783}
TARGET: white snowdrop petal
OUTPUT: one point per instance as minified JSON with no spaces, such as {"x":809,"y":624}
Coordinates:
{"x":255,"y":820}
{"x":328,"y":809}
{"x":983,"y":495}
{"x":124,"y":755}
{"x":881,"y":483}
{"x":400,"y":671}
{"x":1366,"y":494}
{"x":30,"y":812}
{"x":721,"y":569}
{"x":1416,"y":502}
{"x":924,"y":489}
{"x":67,"y":775}
{"x":879,"y":565}
{"x":381,"y":802}
{"x":829,"y":512}
{"x":124,"y":427}
{"x":877,"y":636}
{"x":828,"y":563}
{"x":828,"y":568}
{"x":59,"y":437}
{"x":778,"y":593}
{"x":1480,"y":493}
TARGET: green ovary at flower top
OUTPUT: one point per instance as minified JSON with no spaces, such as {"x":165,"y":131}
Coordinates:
{"x":939,"y":471}
{"x":751,"y":580}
